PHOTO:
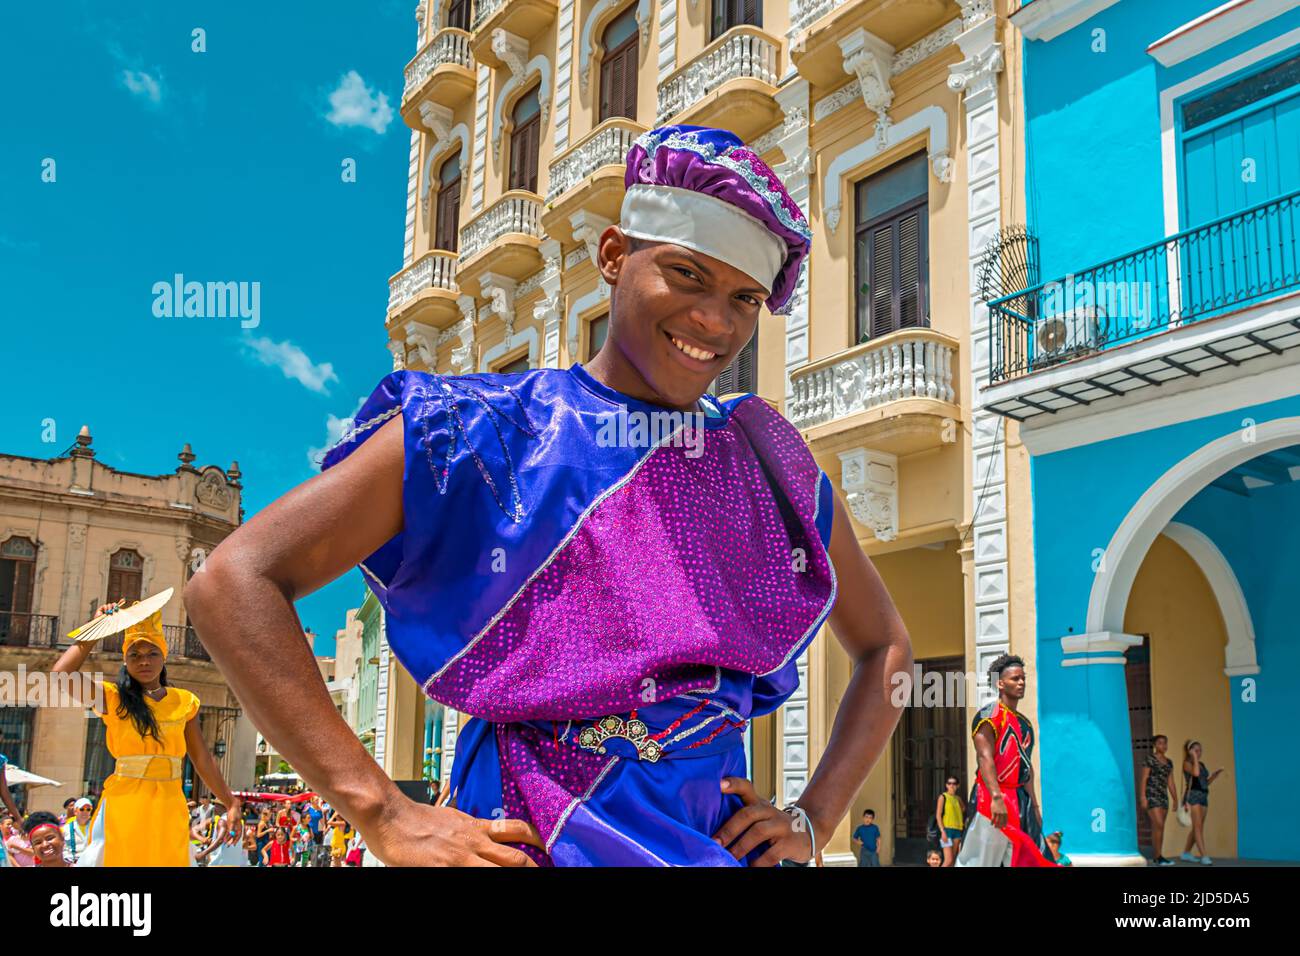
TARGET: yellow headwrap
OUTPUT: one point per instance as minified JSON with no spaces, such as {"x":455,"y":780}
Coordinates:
{"x":150,"y":630}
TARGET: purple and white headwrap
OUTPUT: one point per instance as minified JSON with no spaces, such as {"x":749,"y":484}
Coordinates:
{"x":704,"y":189}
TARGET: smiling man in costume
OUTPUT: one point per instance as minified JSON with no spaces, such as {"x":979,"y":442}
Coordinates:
{"x":611,"y":617}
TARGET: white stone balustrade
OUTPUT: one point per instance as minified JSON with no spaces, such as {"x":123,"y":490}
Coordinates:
{"x":433,"y":270}
{"x":913,"y":363}
{"x":516,"y":211}
{"x":606,"y":145}
{"x":447,"y":46}
{"x":809,"y":12}
{"x":743,"y":52}
{"x":484,"y":10}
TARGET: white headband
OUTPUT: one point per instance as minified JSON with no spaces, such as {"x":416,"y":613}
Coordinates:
{"x":706,"y":224}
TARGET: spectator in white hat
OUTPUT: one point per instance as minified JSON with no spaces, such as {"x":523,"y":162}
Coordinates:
{"x":76,"y":832}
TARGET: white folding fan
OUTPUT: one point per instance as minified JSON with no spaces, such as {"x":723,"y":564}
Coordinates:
{"x":115,"y":621}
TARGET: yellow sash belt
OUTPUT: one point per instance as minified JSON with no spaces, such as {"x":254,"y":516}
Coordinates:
{"x":143,"y":766}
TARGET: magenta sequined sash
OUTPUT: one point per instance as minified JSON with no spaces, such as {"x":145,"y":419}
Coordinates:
{"x":686,"y":566}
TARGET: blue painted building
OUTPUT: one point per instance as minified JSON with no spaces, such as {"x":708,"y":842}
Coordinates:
{"x":1152,"y":359}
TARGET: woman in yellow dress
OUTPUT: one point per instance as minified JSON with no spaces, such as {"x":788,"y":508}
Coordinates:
{"x":142,"y":818}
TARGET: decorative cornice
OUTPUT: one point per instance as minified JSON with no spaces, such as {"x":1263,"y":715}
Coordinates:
{"x":923,"y":49}
{"x":978,"y":73}
{"x":871,"y":60}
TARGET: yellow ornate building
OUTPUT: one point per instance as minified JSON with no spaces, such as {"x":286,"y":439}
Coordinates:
{"x":74,"y":534}
{"x":891,"y":123}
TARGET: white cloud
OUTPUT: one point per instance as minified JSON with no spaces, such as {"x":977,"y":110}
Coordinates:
{"x":354,"y":104}
{"x":335,"y":429}
{"x":142,"y":84}
{"x":292,"y":361}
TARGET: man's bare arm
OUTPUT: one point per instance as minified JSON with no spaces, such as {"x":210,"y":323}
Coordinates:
{"x":869,"y":628}
{"x":241,"y":605}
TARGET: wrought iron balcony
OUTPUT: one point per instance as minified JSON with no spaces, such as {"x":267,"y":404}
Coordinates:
{"x":181,"y":642}
{"x":742,"y":53}
{"x":515,"y":212}
{"x":434,"y":270}
{"x":18,"y":629}
{"x":913,"y":366}
{"x":1211,"y":270}
{"x":449,"y":47}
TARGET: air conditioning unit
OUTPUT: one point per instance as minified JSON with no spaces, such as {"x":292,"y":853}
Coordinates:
{"x":1069,"y":334}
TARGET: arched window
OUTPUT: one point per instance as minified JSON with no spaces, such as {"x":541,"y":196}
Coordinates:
{"x":458,"y":14}
{"x":17,"y":588}
{"x":618,"y":68}
{"x":732,"y":13}
{"x":125,"y":575}
{"x":445,"y":226}
{"x":525,"y":139}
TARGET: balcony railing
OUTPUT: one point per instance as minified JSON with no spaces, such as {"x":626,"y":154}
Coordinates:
{"x":913,"y":363}
{"x":743,"y":52}
{"x":1223,"y":265}
{"x":516,"y":211}
{"x":181,"y":642}
{"x":449,"y":46}
{"x":607,"y":145}
{"x":18,"y":629}
{"x":484,"y":10}
{"x":809,"y":12}
{"x":433,"y":270}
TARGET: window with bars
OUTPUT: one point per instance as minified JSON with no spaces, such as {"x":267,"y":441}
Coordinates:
{"x":733,"y":13}
{"x":458,"y":14}
{"x":891,"y":262}
{"x":16,"y":736}
{"x":525,"y":139}
{"x":445,"y":225}
{"x":618,"y":67}
{"x":125,"y":575}
{"x":742,"y":374}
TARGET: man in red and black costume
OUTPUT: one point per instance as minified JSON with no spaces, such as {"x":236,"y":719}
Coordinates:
{"x":1006,"y":828}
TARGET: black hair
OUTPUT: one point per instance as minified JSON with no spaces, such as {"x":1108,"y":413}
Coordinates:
{"x":1002,"y":663}
{"x":132,"y":705}
{"x":872,"y":812}
{"x":1160,"y":737}
{"x":69,"y":801}
{"x":39,"y":818}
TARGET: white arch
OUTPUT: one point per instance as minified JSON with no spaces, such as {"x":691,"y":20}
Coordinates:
{"x":1239,"y":655}
{"x":1158,"y":505}
{"x":601,"y":14}
{"x":458,"y":132}
{"x":579,"y":306}
{"x":931,"y":118}
{"x":501,"y":348}
{"x":538,"y":64}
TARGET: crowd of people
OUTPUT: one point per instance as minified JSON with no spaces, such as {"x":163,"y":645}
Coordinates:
{"x":283,"y":834}
{"x":305,"y":833}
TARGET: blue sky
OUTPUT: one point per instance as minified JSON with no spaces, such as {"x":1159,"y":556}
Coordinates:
{"x":225,"y":166}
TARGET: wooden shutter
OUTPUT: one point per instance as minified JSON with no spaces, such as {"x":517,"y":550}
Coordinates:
{"x":751,"y":12}
{"x":458,"y":14}
{"x":524,"y":142}
{"x":882,"y":281}
{"x":629,"y":56}
{"x":897,"y":273}
{"x":742,"y":374}
{"x":911,"y":272}
{"x":445,"y":231}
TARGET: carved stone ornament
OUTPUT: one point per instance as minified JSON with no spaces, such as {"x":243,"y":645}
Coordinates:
{"x":212,"y":491}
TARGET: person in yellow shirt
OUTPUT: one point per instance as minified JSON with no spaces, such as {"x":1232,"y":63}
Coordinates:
{"x":142,"y":818}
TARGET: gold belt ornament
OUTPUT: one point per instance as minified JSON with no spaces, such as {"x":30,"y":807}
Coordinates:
{"x":141,"y":765}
